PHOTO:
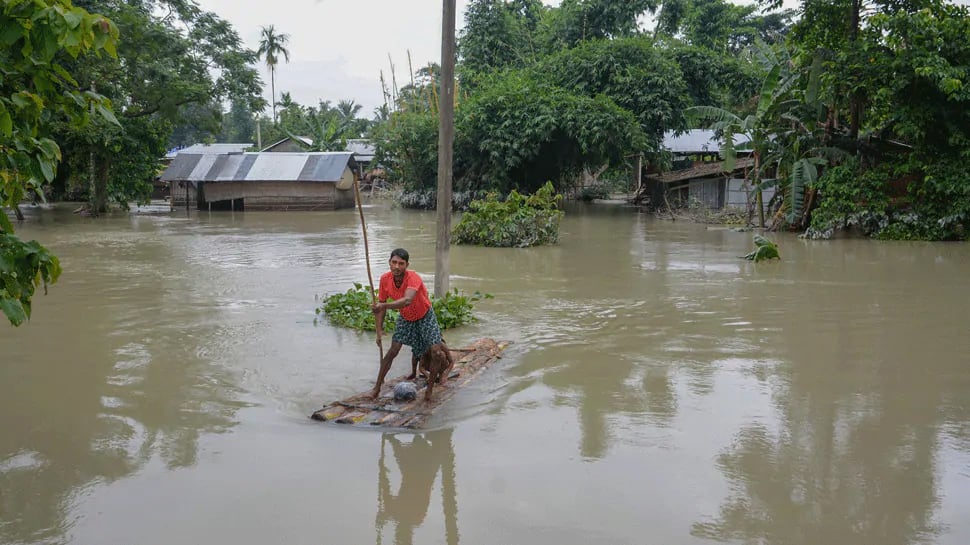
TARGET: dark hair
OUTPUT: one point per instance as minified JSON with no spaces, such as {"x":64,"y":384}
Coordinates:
{"x":402,"y":253}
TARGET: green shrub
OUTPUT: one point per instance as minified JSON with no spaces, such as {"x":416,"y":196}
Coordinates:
{"x":935,"y":205}
{"x":852,"y":197}
{"x":353,"y":309}
{"x":766,"y":249}
{"x":518,"y":221}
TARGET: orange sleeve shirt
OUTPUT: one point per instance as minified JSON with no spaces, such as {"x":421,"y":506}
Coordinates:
{"x":419,"y":305}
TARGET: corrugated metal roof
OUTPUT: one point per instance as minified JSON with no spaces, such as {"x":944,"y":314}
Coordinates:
{"x":701,"y":171}
{"x":189,"y":167}
{"x":361,"y":146}
{"x":696,"y":141}
{"x":269,"y":166}
{"x":180,"y":168}
{"x":216,"y":148}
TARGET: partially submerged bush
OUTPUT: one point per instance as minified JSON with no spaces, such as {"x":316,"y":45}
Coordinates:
{"x":766,"y":249}
{"x":518,"y":221}
{"x":353,"y":309}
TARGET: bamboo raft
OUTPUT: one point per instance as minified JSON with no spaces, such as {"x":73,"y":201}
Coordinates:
{"x":362,"y":410}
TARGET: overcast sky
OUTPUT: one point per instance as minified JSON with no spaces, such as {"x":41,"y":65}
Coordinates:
{"x":338,"y":47}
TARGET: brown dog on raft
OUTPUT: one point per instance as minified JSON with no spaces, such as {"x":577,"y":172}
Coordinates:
{"x":436,"y":365}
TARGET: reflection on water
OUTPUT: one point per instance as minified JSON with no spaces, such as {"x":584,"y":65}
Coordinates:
{"x":418,"y":459}
{"x":656,"y":383}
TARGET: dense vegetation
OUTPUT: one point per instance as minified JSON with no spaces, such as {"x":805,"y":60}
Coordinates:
{"x":517,"y":221}
{"x":570,"y":94}
{"x":353,"y":309}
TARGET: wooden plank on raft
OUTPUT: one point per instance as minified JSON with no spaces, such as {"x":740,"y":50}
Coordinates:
{"x":361,"y":410}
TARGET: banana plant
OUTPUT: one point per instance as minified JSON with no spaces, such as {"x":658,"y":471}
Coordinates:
{"x":757,"y":128}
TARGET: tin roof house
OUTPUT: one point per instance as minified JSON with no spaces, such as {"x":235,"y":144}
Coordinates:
{"x":698,"y":175}
{"x":262,"y":181}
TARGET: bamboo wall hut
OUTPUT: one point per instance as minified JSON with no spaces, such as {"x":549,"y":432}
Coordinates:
{"x":262,"y":181}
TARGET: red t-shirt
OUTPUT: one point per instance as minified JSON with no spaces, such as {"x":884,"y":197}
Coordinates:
{"x":419,"y":305}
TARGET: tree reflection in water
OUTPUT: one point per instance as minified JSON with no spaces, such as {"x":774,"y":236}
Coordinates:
{"x":419,"y":458}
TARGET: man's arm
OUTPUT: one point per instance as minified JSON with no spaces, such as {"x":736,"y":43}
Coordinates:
{"x":396,"y":305}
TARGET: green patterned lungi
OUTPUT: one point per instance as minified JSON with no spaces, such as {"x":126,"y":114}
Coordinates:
{"x":420,"y":334}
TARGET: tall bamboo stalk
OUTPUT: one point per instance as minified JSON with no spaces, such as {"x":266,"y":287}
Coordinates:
{"x":414,"y":93}
{"x":370,"y":277}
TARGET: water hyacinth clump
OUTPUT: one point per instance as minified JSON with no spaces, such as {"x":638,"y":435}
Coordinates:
{"x":353,"y":309}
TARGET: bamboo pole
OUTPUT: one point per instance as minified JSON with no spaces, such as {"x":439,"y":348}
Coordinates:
{"x":370,"y":277}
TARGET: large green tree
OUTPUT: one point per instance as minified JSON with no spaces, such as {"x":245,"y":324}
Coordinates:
{"x":634,"y":74}
{"x":519,"y":133}
{"x":720,"y":25}
{"x":499,"y":34}
{"x":39,"y":41}
{"x":176,"y":65}
{"x":576,"y":21}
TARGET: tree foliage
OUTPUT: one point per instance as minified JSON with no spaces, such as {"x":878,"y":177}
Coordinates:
{"x":39,"y":41}
{"x":176,"y":65}
{"x":577,"y":21}
{"x":519,"y":133}
{"x":634,"y":74}
{"x":499,"y":34}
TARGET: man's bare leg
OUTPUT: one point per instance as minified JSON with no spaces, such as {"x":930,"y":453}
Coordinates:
{"x":385,"y":367}
{"x":414,"y":368}
{"x":451,"y":364}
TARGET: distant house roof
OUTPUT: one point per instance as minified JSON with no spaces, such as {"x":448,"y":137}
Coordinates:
{"x":300,"y":140}
{"x":266,"y":167}
{"x":197,"y":149}
{"x":363,"y":149}
{"x":702,"y":171}
{"x":696,"y":141}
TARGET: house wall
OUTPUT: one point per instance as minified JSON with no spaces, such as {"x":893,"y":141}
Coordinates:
{"x":177,"y":193}
{"x":737,"y":195}
{"x":347,"y":180}
{"x":723,"y":193}
{"x":709,"y":192}
{"x":273,"y":195}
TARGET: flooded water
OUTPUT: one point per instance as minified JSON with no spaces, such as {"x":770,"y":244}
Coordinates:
{"x":659,"y":389}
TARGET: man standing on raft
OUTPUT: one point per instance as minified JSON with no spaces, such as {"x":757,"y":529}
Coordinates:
{"x":416,"y":326}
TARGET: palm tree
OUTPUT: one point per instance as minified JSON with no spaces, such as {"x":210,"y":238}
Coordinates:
{"x":271,"y":46}
{"x":348,"y":109}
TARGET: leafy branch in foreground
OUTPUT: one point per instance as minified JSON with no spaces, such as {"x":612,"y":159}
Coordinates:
{"x":353,"y":309}
{"x":23,"y":267}
{"x":766,"y":249}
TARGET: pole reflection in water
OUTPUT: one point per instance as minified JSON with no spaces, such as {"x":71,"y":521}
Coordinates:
{"x":419,"y":458}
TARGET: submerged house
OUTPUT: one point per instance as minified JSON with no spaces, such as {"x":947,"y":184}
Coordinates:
{"x":698,"y":174}
{"x":262,"y":181}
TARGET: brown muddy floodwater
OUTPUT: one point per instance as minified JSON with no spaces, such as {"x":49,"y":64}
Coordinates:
{"x":659,"y":389}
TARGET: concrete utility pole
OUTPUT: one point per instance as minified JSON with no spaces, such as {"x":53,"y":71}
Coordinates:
{"x":446,"y":137}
